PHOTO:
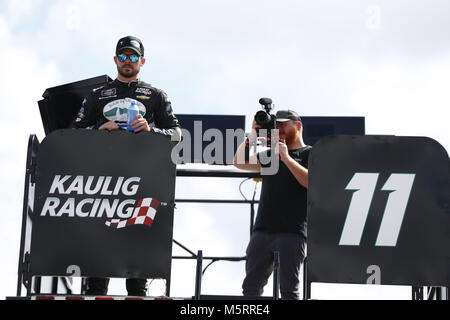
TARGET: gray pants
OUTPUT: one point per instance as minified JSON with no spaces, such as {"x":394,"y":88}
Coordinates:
{"x":259,"y":265}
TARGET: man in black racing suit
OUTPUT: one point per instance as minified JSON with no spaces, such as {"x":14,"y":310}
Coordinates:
{"x":106,"y":108}
{"x":110,"y":104}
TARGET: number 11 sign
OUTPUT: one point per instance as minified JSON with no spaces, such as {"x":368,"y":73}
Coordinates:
{"x":364,"y":186}
{"x":379,"y":201}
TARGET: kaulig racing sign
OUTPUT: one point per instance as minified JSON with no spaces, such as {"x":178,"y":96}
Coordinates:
{"x":120,"y":213}
{"x":104,"y":206}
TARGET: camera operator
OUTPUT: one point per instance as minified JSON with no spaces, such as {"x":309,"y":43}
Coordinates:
{"x":281,"y":220}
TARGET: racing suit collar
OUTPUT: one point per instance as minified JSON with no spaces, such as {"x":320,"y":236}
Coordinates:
{"x":129,"y":84}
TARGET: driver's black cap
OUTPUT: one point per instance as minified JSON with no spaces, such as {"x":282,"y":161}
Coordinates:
{"x":132,"y":43}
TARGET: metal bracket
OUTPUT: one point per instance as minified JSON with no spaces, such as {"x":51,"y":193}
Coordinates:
{"x":26,"y":279}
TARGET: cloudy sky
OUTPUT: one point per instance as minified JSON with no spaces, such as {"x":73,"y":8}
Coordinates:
{"x":388,"y":61}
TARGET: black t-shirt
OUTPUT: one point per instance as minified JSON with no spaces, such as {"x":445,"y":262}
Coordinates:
{"x":283,"y":200}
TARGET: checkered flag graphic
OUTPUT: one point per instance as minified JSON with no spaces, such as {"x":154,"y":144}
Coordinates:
{"x":144,"y":214}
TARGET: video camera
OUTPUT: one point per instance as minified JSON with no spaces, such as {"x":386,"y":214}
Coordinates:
{"x":266,"y":121}
{"x":264,"y":118}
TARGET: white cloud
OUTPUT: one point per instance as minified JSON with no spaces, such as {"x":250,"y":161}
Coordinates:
{"x":21,"y":70}
{"x":401,"y":97}
{"x":17,"y":11}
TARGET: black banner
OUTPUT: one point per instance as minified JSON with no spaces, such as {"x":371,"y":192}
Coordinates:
{"x":103,"y":205}
{"x":378,"y":211}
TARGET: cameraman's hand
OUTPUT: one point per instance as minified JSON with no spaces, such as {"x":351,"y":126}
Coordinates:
{"x":253,"y":135}
{"x":282,"y":149}
{"x":255,"y":125}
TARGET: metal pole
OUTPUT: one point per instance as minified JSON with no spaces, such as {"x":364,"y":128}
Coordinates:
{"x":37,"y":285}
{"x":168,"y":287}
{"x":306,"y":283}
{"x":417,"y":293}
{"x":198,"y":279}
{"x":55,"y":281}
{"x":83,"y":286}
{"x":276,"y":275}
{"x":252,"y":217}
{"x":20,"y":269}
{"x":31,"y":154}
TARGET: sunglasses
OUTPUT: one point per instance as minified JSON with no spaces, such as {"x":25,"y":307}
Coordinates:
{"x":123,"y":57}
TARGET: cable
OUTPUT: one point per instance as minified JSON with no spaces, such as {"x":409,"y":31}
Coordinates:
{"x":204,"y":270}
{"x":254,"y":192}
{"x":240,"y":186}
{"x":150,"y":283}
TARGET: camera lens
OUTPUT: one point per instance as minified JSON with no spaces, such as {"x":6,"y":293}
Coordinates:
{"x":262,"y":118}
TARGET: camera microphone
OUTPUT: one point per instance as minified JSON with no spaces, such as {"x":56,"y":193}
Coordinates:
{"x":265,"y":101}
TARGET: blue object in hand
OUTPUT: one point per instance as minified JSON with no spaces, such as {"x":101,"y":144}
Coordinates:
{"x":133,"y":111}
